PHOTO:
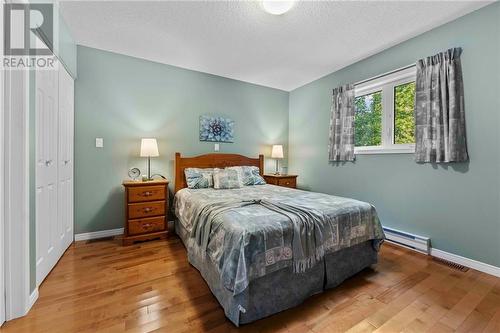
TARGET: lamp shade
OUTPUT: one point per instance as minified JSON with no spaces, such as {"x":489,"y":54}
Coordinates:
{"x":149,"y":148}
{"x":277,"y":151}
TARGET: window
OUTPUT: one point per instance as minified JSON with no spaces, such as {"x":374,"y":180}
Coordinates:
{"x":404,"y":120}
{"x":384,"y":117}
{"x":368,"y":120}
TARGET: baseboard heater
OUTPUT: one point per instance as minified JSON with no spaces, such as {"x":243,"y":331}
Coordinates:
{"x":414,"y":242}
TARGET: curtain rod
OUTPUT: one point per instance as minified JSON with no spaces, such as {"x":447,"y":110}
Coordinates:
{"x":385,"y":74}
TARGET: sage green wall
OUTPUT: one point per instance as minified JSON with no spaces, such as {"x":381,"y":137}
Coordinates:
{"x":67,"y":48}
{"x":457,"y":205}
{"x":122,"y":99}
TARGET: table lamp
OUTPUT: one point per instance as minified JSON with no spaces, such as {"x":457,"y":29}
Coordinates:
{"x":277,"y":153}
{"x":149,"y":148}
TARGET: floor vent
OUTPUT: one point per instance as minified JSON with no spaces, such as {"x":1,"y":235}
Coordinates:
{"x":414,"y":242}
{"x":451,"y":264}
{"x":89,"y":241}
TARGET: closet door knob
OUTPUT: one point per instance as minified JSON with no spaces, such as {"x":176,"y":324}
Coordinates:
{"x":48,"y":162}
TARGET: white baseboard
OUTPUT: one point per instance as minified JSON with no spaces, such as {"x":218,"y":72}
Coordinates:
{"x":405,"y":246}
{"x":32,"y":300}
{"x":98,"y":234}
{"x":471,"y":263}
{"x":455,"y":258}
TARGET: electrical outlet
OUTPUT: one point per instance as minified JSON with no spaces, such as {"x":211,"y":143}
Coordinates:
{"x":216,"y":147}
{"x":99,"y":142}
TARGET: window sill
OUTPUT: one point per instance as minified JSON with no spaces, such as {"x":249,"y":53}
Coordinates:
{"x":384,"y":150}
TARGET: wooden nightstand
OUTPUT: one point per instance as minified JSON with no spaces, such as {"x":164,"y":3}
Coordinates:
{"x":146,"y":210}
{"x":282,"y":180}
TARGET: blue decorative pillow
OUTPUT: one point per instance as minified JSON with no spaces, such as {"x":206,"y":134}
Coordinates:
{"x":199,"y":178}
{"x":226,"y":179}
{"x":249,"y":175}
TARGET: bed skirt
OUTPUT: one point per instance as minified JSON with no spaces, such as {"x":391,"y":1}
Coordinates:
{"x":283,"y":289}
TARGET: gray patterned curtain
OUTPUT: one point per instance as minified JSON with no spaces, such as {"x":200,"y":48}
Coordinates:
{"x":439,"y":109}
{"x":341,"y":144}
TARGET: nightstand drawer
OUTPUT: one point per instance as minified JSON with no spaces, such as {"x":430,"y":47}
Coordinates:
{"x":282,"y":180}
{"x":146,"y":193}
{"x":287,"y":182}
{"x":271,"y":180}
{"x":146,"y":209}
{"x":146,"y":225}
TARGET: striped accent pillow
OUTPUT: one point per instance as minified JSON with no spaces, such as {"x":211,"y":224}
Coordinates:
{"x":226,"y":179}
{"x":249,"y":175}
{"x":199,"y":178}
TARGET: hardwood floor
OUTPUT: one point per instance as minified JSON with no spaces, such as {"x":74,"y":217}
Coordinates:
{"x":104,"y":287}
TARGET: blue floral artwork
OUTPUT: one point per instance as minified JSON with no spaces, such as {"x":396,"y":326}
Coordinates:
{"x":216,"y":129}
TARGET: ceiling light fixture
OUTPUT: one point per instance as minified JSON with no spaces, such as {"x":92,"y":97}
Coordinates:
{"x":277,"y":7}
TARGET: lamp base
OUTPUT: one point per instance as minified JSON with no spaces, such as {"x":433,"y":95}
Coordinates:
{"x":146,"y":179}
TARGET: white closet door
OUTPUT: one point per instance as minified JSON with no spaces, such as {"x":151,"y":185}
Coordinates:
{"x":47,"y":234}
{"x":2,"y":196}
{"x":65,"y":164}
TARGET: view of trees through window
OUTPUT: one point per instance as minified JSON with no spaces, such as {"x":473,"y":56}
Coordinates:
{"x":368,"y":117}
{"x":368,"y":120}
{"x":404,"y":120}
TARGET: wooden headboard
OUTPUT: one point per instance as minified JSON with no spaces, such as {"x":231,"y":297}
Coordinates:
{"x":211,"y":161}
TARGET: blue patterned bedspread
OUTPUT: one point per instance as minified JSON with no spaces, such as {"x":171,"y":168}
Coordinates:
{"x":248,"y":241}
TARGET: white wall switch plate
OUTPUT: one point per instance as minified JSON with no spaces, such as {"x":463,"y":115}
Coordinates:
{"x":99,"y":142}
{"x":216,"y":147}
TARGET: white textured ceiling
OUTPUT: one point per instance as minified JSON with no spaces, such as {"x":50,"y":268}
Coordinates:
{"x":239,"y":40}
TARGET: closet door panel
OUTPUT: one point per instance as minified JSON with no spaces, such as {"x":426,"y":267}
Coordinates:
{"x":46,"y":109}
{"x":65,"y":163}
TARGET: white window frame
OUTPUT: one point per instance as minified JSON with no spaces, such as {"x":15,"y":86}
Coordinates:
{"x":386,"y":85}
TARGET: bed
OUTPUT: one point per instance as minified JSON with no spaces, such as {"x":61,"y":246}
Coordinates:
{"x":249,"y":244}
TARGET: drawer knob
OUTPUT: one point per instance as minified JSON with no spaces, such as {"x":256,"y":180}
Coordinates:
{"x":148,"y":209}
{"x":146,"y":225}
{"x":148,"y":193}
